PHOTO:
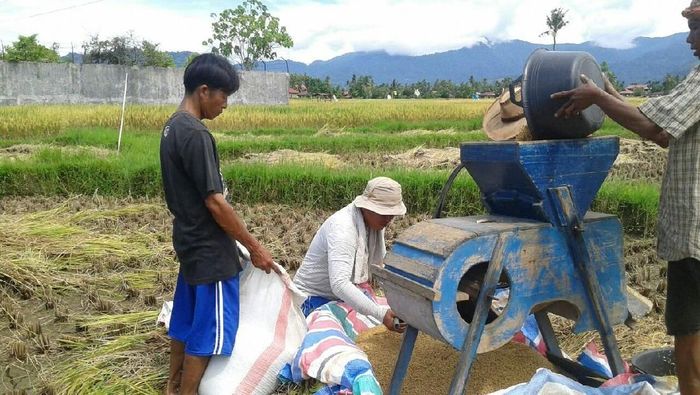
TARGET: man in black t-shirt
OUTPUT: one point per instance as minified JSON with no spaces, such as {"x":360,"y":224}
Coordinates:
{"x":204,"y":320}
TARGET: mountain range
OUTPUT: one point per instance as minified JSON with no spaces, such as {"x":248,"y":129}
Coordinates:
{"x":649,"y":59}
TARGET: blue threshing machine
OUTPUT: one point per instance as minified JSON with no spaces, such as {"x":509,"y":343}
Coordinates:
{"x":538,"y":243}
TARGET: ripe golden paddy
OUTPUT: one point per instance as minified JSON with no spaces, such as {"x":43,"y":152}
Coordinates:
{"x":32,"y":120}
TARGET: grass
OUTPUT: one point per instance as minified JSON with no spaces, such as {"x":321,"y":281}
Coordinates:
{"x":296,"y":185}
{"x":140,"y":146}
{"x":379,"y":115}
{"x":76,"y":154}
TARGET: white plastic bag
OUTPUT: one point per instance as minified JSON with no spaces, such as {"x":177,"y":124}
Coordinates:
{"x":270,"y":330}
{"x":164,"y":316}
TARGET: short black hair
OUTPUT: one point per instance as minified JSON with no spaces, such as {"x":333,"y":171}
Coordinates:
{"x":213,"y":71}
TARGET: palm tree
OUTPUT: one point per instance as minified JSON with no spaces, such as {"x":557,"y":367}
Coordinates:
{"x":555,"y":22}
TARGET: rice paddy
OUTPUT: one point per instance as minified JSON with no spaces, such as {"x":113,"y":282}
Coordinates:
{"x":86,"y":257}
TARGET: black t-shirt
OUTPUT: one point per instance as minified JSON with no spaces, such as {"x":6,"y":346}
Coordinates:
{"x":190,"y":168}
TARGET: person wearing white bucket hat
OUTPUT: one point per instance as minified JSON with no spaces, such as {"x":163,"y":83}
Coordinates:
{"x":336,"y":266}
{"x":382,"y":196}
{"x":671,"y":121}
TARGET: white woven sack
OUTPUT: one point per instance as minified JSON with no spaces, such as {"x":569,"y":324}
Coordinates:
{"x":270,"y":330}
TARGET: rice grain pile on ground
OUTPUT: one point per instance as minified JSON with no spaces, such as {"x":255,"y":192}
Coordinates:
{"x":433,"y":363}
{"x":639,"y":160}
{"x":290,"y":156}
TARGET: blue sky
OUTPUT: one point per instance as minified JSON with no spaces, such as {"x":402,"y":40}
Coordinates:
{"x":322,"y":29}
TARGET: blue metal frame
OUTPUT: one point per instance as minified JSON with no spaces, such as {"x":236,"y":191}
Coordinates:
{"x":537,"y":194}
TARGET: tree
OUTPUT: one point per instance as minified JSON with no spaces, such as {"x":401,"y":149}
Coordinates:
{"x":313,"y":85}
{"x":249,"y":33}
{"x":121,"y":50}
{"x":27,"y":49}
{"x":361,"y":86}
{"x":153,"y":57}
{"x":605,"y":68}
{"x":555,"y":22}
{"x":670,"y":82}
{"x":125,"y":50}
{"x":191,"y":58}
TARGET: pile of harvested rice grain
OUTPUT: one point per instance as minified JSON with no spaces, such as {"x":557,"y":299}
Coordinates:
{"x":433,"y":363}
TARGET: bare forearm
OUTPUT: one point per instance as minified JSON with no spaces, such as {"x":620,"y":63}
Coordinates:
{"x":629,"y":117}
{"x":231,"y":223}
{"x":227,"y":218}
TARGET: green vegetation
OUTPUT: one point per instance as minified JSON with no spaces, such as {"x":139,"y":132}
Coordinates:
{"x":125,"y":50}
{"x":307,"y":186}
{"x":248,"y":33}
{"x":556,"y":20}
{"x":28,"y":49}
{"x":76,"y":153}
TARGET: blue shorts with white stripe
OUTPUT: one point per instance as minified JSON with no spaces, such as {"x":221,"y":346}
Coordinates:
{"x":205,"y":317}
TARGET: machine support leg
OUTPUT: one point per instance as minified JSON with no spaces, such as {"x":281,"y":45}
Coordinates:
{"x":577,"y":245}
{"x":409,"y":341}
{"x":612,"y":351}
{"x":550,"y":339}
{"x":476,"y":327}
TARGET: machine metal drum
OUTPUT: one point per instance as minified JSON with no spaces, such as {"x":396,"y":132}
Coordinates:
{"x":431,"y":265}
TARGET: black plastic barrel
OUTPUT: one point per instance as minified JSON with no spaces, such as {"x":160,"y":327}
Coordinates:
{"x":658,"y":361}
{"x":547,"y":72}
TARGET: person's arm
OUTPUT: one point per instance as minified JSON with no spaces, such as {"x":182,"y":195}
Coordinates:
{"x":199,"y":160}
{"x":610,"y":88}
{"x":341,"y":260}
{"x":227,"y":218}
{"x":627,"y":115}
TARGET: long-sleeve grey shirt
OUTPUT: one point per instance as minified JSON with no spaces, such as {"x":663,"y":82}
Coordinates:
{"x":327,"y":268}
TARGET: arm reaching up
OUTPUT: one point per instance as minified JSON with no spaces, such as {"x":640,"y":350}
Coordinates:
{"x":627,"y":115}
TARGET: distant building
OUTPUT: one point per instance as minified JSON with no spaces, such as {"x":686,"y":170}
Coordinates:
{"x":487,"y":95}
{"x":634,"y":87}
{"x":297,"y":91}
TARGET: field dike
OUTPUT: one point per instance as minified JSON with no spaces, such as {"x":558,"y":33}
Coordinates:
{"x":82,"y":280}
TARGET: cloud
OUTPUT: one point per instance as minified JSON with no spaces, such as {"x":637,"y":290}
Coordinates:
{"x":173,"y":29}
{"x":325,"y":29}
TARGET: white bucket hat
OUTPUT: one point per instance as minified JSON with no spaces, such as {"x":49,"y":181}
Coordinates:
{"x":382,"y":195}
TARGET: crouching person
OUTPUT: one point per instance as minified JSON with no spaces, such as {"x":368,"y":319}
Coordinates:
{"x":336,"y":266}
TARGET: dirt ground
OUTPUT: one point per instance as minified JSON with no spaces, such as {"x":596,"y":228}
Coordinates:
{"x":68,"y":263}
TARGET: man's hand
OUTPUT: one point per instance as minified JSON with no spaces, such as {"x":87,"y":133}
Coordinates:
{"x":580,"y":98}
{"x":261,"y":258}
{"x":389,"y":321}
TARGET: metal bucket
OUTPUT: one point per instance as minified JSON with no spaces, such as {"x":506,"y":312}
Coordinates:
{"x":547,"y":72}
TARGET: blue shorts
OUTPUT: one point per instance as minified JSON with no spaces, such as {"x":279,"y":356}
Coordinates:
{"x":311,"y":303}
{"x":205,"y":317}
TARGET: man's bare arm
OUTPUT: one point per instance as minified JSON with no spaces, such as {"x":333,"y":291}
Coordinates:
{"x":227,"y":218}
{"x":618,"y":110}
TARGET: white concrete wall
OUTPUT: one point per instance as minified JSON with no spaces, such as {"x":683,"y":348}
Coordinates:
{"x":28,"y":82}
